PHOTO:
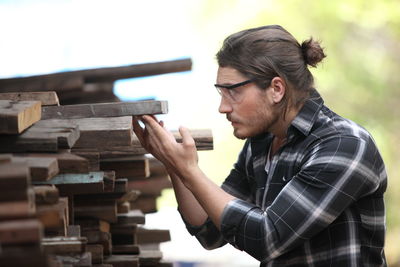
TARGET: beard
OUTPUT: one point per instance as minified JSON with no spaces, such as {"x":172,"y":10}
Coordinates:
{"x":260,"y":122}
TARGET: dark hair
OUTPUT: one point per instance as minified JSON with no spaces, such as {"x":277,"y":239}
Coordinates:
{"x":266,"y":52}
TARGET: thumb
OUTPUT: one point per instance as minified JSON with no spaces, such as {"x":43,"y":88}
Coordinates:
{"x":187,"y":138}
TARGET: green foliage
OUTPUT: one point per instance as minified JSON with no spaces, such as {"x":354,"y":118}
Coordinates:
{"x":360,"y":77}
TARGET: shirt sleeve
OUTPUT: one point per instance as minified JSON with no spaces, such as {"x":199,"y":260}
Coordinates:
{"x":334,"y":173}
{"x":235,"y":184}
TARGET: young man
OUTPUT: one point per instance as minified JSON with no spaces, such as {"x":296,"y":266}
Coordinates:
{"x":307,"y":189}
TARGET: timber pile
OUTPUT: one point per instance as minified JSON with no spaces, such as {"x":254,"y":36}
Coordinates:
{"x":75,"y":184}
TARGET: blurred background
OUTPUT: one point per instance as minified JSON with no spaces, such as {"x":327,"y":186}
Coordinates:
{"x":359,"y":79}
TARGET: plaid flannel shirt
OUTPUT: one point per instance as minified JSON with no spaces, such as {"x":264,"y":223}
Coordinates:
{"x":319,"y":204}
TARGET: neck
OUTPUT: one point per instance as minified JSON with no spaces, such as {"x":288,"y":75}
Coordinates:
{"x":280,"y":131}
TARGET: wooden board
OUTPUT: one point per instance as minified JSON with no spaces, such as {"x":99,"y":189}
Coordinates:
{"x":101,"y":132}
{"x":14,"y":176}
{"x":126,"y":249}
{"x":152,"y":185}
{"x":98,"y":209}
{"x":16,"y":116}
{"x":20,"y":232}
{"x":77,"y":183}
{"x":64,"y":245}
{"x":132,"y":217}
{"x":46,"y":194}
{"x":122,"y":260}
{"x":43,"y":136}
{"x":117,"y":109}
{"x":73,"y":80}
{"x":146,"y":236}
{"x":48,"y":98}
{"x":41,"y":169}
{"x":127,"y":167}
{"x":67,"y":162}
{"x":97,"y":252}
{"x":203,"y":140}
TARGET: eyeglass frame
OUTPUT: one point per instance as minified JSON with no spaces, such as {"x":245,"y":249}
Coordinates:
{"x":232,"y":86}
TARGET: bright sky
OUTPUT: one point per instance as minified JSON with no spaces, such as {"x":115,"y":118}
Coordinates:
{"x":46,"y":36}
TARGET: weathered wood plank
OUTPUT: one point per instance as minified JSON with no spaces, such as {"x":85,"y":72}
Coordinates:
{"x":17,"y":209}
{"x":67,"y":162}
{"x":46,"y":194}
{"x":43,"y":136}
{"x":20,"y":231}
{"x":16,"y":116}
{"x":123,"y":260}
{"x":101,"y":132}
{"x":14,"y":176}
{"x":145,"y":236}
{"x":202,"y":137}
{"x":127,"y":167}
{"x":132,"y":217}
{"x":67,"y":81}
{"x":64,"y":245}
{"x":67,"y":184}
{"x":104,"y":110}
{"x":41,"y":169}
{"x":48,"y":98}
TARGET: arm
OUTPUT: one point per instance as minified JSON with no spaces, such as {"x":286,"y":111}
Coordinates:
{"x":334,"y":174}
{"x":193,"y":188}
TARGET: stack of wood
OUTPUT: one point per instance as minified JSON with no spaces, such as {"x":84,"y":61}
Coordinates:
{"x":77,"y":184}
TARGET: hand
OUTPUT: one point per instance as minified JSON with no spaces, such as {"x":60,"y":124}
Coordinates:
{"x":180,"y":158}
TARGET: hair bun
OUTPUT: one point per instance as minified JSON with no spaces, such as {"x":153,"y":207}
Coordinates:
{"x":312,"y":51}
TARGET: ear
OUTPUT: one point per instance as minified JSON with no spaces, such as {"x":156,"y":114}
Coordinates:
{"x":278,"y":86}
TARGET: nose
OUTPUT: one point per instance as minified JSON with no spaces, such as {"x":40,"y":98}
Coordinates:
{"x":224,"y":106}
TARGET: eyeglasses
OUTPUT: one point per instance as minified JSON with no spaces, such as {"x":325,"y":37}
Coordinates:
{"x":229,"y":90}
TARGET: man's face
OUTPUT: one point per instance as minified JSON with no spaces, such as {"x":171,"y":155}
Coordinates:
{"x":250,"y":110}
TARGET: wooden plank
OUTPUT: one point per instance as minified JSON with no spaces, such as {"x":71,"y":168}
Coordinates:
{"x":41,"y":169}
{"x":88,"y":224}
{"x":98,"y":237}
{"x":97,"y":252}
{"x":132,"y":217}
{"x":145,"y":236}
{"x":16,"y":116}
{"x":64,"y":245}
{"x":101,"y":132}
{"x":54,"y":215}
{"x":97,"y":208}
{"x":10,"y":195}
{"x":48,"y":98}
{"x":145,"y":203}
{"x":150,"y":257}
{"x":46,"y":194}
{"x":43,"y":136}
{"x":153,"y":185}
{"x":126,"y":249}
{"x":202,"y":137}
{"x":71,"y":260}
{"x":67,"y":162}
{"x":20,"y":232}
{"x":66,"y":81}
{"x":114,"y":109}
{"x":58,"y":82}
{"x":127,"y":167}
{"x":93,"y":158}
{"x":122,"y":260}
{"x":32,"y":257}
{"x":77,"y":183}
{"x":14,"y":176}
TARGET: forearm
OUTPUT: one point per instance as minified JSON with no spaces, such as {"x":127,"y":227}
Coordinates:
{"x":209,"y":195}
{"x":188,"y":205}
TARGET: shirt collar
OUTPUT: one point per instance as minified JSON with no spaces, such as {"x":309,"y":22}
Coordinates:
{"x":308,"y":114}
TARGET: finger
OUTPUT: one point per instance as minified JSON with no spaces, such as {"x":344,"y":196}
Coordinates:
{"x":187,"y":138}
{"x":155,"y":129}
{"x":139,"y":131}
